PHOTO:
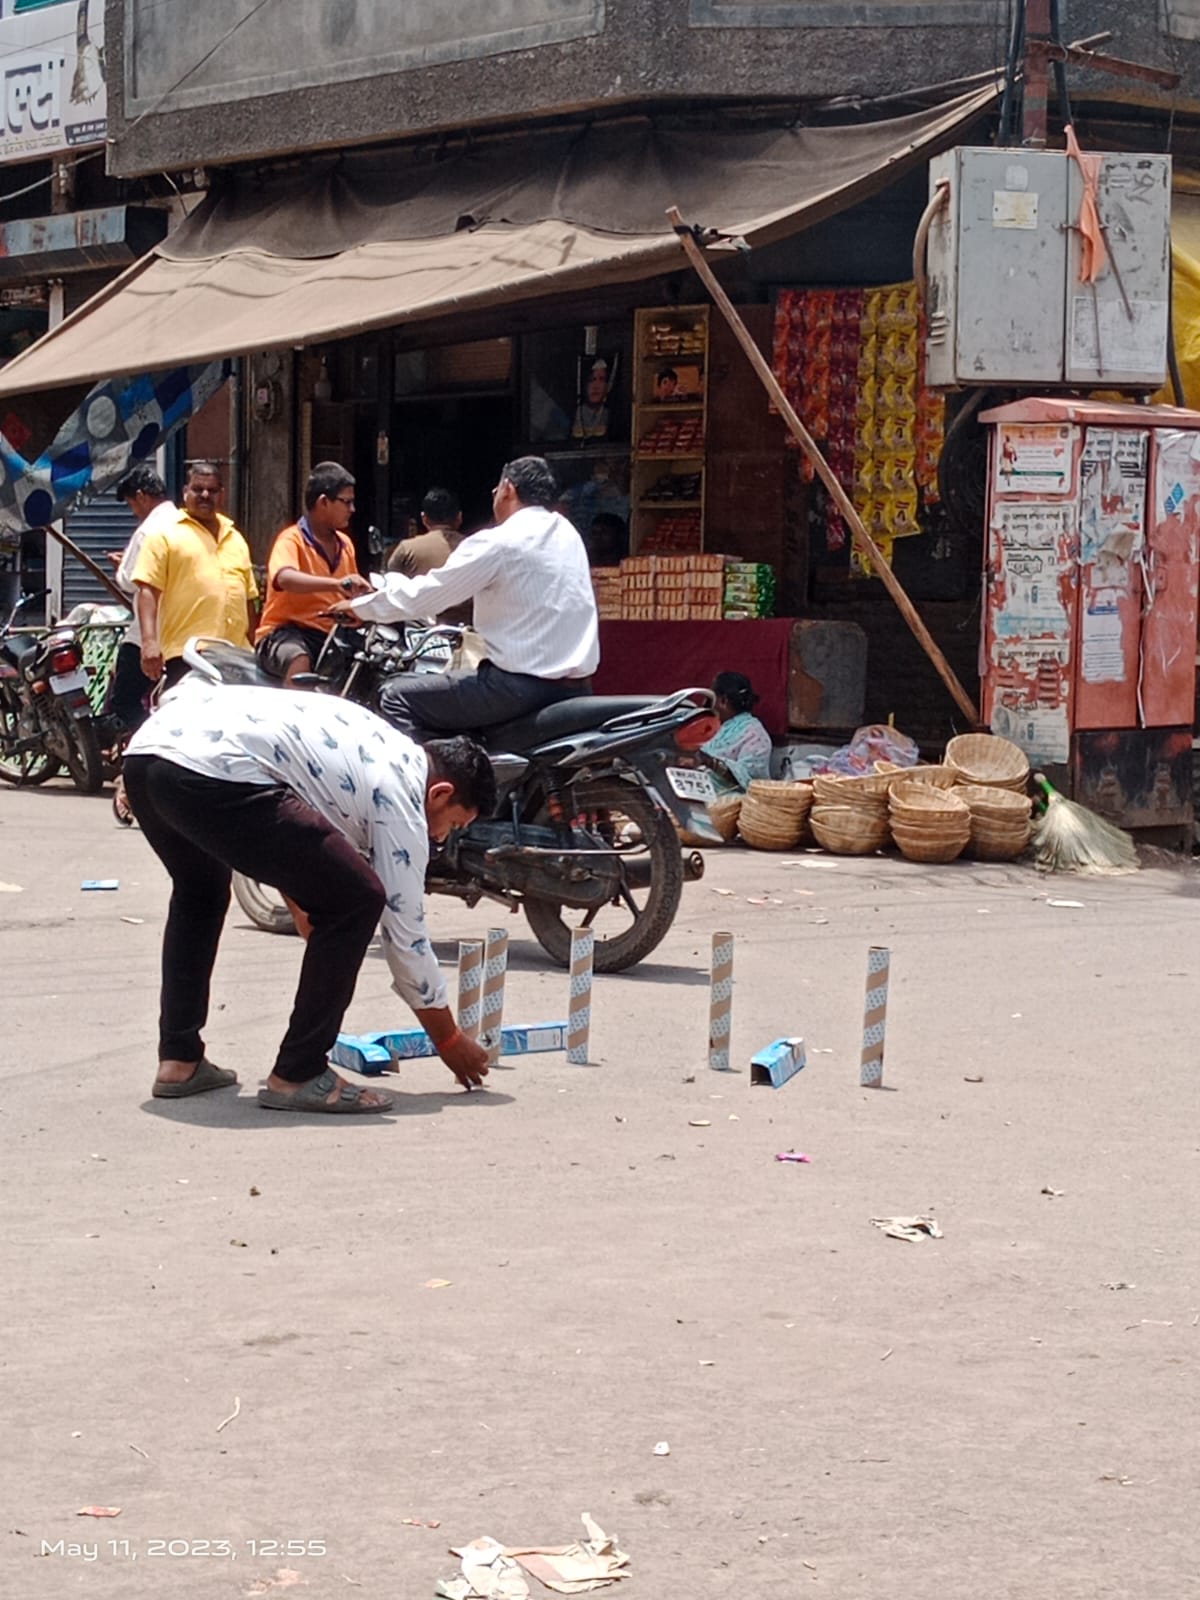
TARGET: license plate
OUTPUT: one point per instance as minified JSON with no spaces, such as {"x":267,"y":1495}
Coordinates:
{"x":692,"y":783}
{"x":64,"y":682}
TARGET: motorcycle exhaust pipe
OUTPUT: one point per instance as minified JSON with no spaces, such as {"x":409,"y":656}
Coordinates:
{"x":637,"y":873}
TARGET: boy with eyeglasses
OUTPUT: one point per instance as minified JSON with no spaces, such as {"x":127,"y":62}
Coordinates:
{"x":312,"y":567}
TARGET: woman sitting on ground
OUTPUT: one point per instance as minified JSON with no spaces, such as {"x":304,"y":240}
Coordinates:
{"x":740,"y":750}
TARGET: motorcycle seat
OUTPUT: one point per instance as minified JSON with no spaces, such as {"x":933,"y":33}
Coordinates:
{"x":565,"y":717}
{"x":22,"y":647}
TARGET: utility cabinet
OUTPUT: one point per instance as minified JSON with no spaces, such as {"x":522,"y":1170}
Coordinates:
{"x":1005,"y":302}
{"x":1091,"y":585}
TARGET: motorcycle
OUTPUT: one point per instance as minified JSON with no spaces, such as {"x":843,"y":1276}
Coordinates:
{"x":591,"y":791}
{"x":46,"y":718}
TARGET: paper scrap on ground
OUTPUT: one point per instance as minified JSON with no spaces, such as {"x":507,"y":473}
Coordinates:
{"x":914,"y":1228}
{"x":285,"y":1578}
{"x":98,"y":1511}
{"x":488,"y":1573}
{"x":1071,"y":905}
{"x":592,"y":1563}
{"x":11,"y":888}
{"x":792,"y":1155}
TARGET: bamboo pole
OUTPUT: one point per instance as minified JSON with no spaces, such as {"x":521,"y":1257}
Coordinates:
{"x":806,"y":442}
{"x":85,"y":560}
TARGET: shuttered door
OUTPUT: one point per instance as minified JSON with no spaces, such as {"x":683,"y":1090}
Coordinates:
{"x":102,"y":525}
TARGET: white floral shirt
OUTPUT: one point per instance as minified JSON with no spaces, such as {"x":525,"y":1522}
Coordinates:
{"x":360,"y":773}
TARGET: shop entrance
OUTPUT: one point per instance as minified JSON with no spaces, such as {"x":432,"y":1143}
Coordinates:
{"x":457,"y":443}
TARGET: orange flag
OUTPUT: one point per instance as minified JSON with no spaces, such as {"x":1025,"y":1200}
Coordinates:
{"x":1094,"y":255}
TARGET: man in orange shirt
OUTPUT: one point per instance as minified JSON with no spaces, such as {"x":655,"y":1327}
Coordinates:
{"x":312,"y":568}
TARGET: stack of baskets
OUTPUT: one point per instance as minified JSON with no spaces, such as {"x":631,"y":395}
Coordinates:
{"x":773,"y":814}
{"x":849,"y":815}
{"x":928,"y":823}
{"x":982,"y":758}
{"x":1000,"y":825}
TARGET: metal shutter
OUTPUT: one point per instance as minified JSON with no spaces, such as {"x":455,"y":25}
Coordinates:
{"x":102,"y":525}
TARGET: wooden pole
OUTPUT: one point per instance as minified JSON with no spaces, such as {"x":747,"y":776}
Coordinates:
{"x":85,"y":560}
{"x":806,"y":442}
{"x":1036,"y":75}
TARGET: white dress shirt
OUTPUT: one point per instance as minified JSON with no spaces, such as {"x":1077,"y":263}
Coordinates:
{"x":163,"y":516}
{"x":361,"y":774}
{"x":529,"y":579}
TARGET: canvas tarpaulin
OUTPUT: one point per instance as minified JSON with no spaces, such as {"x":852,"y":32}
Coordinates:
{"x":368,"y":240}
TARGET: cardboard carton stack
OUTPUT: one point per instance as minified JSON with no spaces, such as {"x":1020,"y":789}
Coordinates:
{"x":608,"y":587}
{"x":672,"y":588}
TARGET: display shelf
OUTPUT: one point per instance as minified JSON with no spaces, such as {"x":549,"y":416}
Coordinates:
{"x":670,"y":382}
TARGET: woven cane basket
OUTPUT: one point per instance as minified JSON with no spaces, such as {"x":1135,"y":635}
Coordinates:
{"x":940,"y":775}
{"x":913,"y":801}
{"x":848,"y":830}
{"x":919,"y":845}
{"x":866,"y":790}
{"x":723,"y":813}
{"x":983,"y":758}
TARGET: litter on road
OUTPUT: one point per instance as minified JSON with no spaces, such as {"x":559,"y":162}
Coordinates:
{"x":912,"y":1228}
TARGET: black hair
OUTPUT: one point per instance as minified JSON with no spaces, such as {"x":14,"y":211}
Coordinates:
{"x":141,"y":480}
{"x":465,"y":764}
{"x":737,"y":689}
{"x":666,"y":372}
{"x":533,"y":479}
{"x":327,"y":478}
{"x":203,"y":469}
{"x":442,"y":507}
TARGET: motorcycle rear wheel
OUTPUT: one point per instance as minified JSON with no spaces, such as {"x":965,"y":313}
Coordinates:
{"x":263,"y":905}
{"x":611,"y":805}
{"x":29,"y":767}
{"x":82,"y":752}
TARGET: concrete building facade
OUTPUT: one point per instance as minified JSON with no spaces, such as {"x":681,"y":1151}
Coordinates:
{"x":237,"y":80}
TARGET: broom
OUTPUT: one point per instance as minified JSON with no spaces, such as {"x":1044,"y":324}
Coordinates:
{"x":1070,"y":838}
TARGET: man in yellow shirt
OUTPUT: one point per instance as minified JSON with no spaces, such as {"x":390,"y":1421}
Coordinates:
{"x":312,"y":567}
{"x":194,"y":577}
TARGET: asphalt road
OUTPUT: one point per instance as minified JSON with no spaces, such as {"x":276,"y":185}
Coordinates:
{"x":486,"y":1311}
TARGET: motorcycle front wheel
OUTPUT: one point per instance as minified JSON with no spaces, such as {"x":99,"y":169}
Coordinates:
{"x":27,"y":767}
{"x":629,"y":929}
{"x":263,"y":905}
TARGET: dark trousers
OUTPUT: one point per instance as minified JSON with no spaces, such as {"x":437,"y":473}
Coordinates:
{"x":202,"y":829}
{"x":428,"y":705}
{"x":173,"y":670}
{"x":130,"y":686}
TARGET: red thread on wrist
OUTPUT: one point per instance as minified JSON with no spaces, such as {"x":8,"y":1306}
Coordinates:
{"x":450,"y":1039}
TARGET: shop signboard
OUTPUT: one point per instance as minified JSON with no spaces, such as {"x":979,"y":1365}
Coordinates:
{"x":55,"y":98}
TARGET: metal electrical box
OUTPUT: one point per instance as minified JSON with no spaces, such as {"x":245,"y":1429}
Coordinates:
{"x":1005,"y":303}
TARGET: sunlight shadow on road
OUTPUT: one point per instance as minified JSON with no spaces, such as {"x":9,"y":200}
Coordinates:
{"x":243,"y":1111}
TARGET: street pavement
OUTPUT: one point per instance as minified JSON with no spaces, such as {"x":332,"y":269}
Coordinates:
{"x":244,"y":1328}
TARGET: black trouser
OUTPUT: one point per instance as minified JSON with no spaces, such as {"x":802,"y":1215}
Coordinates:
{"x":130,"y":686}
{"x":173,"y":670}
{"x":202,"y":829}
{"x":427,"y":705}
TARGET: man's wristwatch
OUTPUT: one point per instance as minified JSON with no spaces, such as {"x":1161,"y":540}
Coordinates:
{"x":346,"y":585}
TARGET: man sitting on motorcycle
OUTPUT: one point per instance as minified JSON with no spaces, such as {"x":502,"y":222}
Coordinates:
{"x":534,"y":608}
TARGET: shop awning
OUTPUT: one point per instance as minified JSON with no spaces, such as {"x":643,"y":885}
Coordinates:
{"x":366,"y":241}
